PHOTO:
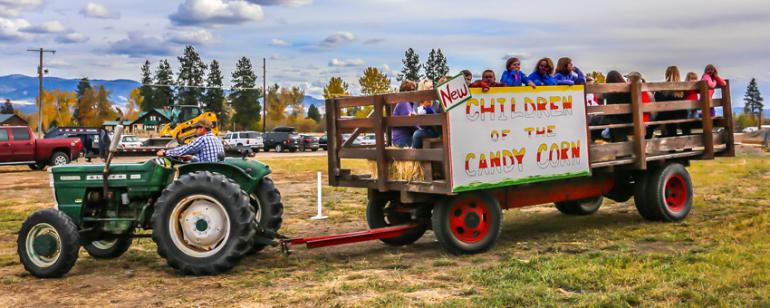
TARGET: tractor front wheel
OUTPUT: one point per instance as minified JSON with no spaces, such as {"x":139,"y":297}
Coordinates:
{"x":385,"y":210}
{"x":203,"y":224}
{"x":468,"y":223}
{"x":109,"y":248}
{"x":48,"y":244}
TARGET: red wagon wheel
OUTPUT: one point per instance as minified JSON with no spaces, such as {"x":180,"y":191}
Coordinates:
{"x":468,"y":223}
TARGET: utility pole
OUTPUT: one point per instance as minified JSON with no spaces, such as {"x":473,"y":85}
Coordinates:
{"x":40,"y":73}
{"x":264,"y":95}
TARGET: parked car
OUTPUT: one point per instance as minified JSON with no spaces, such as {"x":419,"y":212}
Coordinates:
{"x":129,"y":141}
{"x":308,"y":142}
{"x":245,"y":139}
{"x":323,"y":142}
{"x":282,"y":139}
{"x":18,"y":146}
{"x":367,"y":140}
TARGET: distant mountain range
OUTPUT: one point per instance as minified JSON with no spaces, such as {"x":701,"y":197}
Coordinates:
{"x":22,"y":90}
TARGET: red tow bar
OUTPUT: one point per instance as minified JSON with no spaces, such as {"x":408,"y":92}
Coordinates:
{"x":346,"y":238}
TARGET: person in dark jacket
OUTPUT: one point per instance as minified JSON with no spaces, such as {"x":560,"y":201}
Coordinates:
{"x":617,"y":134}
{"x":104,"y":143}
{"x":543,"y":73}
{"x":513,"y":76}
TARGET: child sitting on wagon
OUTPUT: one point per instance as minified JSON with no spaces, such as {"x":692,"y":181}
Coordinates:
{"x":487,"y":81}
{"x":568,"y":74}
{"x":513,"y":76}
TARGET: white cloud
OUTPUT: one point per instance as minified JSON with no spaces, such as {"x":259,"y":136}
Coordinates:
{"x":374,"y":41}
{"x":291,"y":3}
{"x":71,"y":38}
{"x":215,"y":12}
{"x":12,"y":8}
{"x":516,"y":54}
{"x":95,"y":10}
{"x":10,"y":29}
{"x":139,"y":45}
{"x":337,"y":39}
{"x":198,"y":37}
{"x":46,"y":28}
{"x":346,"y":63}
{"x":278,"y":42}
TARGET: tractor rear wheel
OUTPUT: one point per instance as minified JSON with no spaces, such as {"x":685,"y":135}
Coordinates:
{"x":468,"y":223}
{"x":48,"y":243}
{"x":586,"y":206}
{"x":203,"y":224}
{"x":382,"y":210}
{"x":269,"y":212}
{"x":665,"y":194}
{"x":109,"y":248}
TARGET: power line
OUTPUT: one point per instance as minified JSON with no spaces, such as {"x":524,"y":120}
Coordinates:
{"x":197,"y":87}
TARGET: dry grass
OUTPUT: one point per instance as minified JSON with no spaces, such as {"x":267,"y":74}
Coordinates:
{"x":719,"y":256}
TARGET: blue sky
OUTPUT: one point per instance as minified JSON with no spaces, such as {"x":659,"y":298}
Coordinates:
{"x":308,"y":41}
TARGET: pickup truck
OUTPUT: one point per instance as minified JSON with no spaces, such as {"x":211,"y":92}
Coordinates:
{"x":281,"y":139}
{"x":18,"y":146}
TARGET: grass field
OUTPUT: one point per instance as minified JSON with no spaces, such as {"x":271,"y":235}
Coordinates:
{"x":719,"y":256}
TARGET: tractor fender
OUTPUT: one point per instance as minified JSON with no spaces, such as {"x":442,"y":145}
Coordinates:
{"x":247,"y":173}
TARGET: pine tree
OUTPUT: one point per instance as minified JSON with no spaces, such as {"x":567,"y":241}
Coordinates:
{"x":336,"y":88}
{"x":436,"y":66}
{"x":753,"y":101}
{"x":244,"y":98}
{"x":146,"y":90}
{"x":83,"y":84}
{"x":313,"y":113}
{"x":373,"y":82}
{"x":164,"y":92}
{"x":190,"y":78}
{"x":411,"y":69}
{"x":7,"y":107}
{"x":214,"y":99}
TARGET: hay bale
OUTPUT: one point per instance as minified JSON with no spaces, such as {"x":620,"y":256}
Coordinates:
{"x":400,"y":170}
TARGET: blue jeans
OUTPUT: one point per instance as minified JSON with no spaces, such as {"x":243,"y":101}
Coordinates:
{"x":420,"y":134}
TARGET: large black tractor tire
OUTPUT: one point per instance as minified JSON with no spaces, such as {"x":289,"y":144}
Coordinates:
{"x":203,"y":224}
{"x":269,"y":212}
{"x":381,"y":211}
{"x":468,"y":223}
{"x":48,"y":243}
{"x":59,"y":159}
{"x":664,"y":194}
{"x":108,"y":249}
{"x":581,"y":207}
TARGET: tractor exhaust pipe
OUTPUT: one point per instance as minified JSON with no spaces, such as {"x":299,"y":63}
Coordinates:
{"x":116,"y":136}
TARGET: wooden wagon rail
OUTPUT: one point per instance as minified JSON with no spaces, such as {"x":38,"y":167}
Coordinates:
{"x":712,"y":136}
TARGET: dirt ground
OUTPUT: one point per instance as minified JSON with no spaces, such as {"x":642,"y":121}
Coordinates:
{"x":356,"y":275}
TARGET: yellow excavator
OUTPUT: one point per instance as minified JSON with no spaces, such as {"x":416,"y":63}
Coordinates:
{"x":183,"y":117}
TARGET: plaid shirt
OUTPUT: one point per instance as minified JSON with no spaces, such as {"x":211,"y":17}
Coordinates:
{"x":204,"y":149}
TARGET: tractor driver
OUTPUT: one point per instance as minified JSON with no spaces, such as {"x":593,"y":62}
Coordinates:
{"x":204,"y":149}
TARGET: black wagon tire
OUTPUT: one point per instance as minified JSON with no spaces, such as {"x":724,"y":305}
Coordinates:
{"x":59,"y":159}
{"x":48,"y":244}
{"x":381,"y":211}
{"x":581,"y":207}
{"x":109,"y":248}
{"x":467,"y":223}
{"x":269,"y":212}
{"x":203,"y":224}
{"x":667,"y":194}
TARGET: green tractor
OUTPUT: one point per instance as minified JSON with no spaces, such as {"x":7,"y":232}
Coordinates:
{"x":204,"y":217}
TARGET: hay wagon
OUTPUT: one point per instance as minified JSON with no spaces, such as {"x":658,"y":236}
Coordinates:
{"x":461,"y":199}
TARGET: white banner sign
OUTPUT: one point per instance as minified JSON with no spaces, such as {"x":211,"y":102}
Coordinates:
{"x":517,"y":135}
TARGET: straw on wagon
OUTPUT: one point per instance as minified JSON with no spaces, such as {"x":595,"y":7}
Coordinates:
{"x":400,"y":170}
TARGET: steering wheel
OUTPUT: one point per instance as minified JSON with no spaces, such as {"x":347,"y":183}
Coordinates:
{"x":176,"y":160}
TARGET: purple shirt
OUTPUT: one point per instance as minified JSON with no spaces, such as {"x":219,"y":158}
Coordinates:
{"x":402,"y":134}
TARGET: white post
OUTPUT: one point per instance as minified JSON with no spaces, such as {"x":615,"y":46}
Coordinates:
{"x":319,"y":214}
